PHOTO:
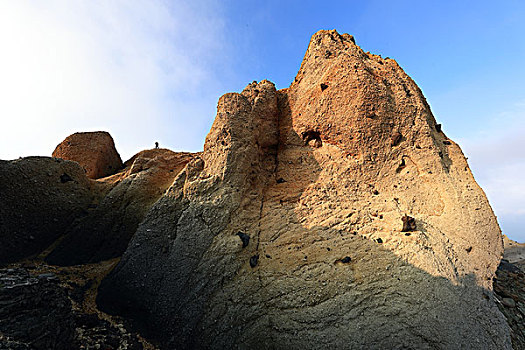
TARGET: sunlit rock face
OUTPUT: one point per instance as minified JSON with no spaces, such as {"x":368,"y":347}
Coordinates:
{"x":94,"y":151}
{"x":332,"y":214}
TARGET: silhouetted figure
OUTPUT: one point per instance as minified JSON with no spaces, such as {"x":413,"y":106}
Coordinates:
{"x":156,"y":145}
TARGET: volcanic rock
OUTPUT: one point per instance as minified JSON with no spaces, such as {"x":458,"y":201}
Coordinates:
{"x":188,"y":283}
{"x":509,"y":287}
{"x":34,"y":313}
{"x":37,"y":205}
{"x":106,"y":231}
{"x":94,"y":151}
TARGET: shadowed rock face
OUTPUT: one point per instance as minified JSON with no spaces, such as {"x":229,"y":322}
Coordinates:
{"x":39,"y":198}
{"x":50,"y":203}
{"x":94,"y":151}
{"x":320,"y":177}
{"x":106,"y":231}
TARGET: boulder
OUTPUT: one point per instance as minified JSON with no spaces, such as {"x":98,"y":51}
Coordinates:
{"x":94,"y":151}
{"x":320,"y":176}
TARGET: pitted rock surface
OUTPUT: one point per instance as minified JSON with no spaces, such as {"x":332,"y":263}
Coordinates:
{"x":94,"y":151}
{"x":319,"y":175}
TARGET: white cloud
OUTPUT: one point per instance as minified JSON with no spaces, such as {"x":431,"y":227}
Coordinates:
{"x":134,"y":68}
{"x":497,"y":158}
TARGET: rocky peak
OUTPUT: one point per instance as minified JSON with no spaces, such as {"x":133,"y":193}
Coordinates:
{"x":323,"y":215}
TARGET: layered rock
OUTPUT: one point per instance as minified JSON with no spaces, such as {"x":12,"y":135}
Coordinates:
{"x":36,"y":313}
{"x":334,"y":213}
{"x":40,"y":198}
{"x":509,"y":287}
{"x":94,"y":151}
{"x":106,"y":231}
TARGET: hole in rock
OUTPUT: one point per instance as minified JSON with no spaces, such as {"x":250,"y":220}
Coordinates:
{"x":65,"y":178}
{"x":254,"y":260}
{"x":244,"y":238}
{"x":313,"y":138}
{"x":409,"y":223}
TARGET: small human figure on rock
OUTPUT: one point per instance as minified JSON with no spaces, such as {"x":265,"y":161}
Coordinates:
{"x":156,"y":145}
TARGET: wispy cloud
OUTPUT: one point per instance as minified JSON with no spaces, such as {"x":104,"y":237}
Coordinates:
{"x":139,"y":69}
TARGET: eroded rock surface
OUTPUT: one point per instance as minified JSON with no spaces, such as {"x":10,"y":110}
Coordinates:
{"x":514,"y":251}
{"x":37,"y":314}
{"x":509,"y":286}
{"x":320,"y":177}
{"x":94,"y":151}
{"x":106,"y":231}
{"x":40,"y":197}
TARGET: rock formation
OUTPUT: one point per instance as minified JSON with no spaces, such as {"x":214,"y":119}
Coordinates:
{"x":514,"y":251}
{"x":106,"y":231}
{"x":40,"y":198}
{"x":37,"y":314}
{"x":332,"y":214}
{"x":509,"y":288}
{"x":94,"y":151}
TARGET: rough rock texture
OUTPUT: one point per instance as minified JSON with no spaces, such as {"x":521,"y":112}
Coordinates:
{"x":320,"y":177}
{"x":509,"y":287}
{"x":40,"y":198}
{"x":514,"y":251}
{"x":36,"y":313}
{"x":106,"y":231}
{"x":94,"y":151}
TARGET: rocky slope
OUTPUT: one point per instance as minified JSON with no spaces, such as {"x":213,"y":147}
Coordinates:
{"x":509,"y":287}
{"x":40,"y":198}
{"x":105,"y":233}
{"x":38,"y":311}
{"x":514,"y":251}
{"x":334,"y":213}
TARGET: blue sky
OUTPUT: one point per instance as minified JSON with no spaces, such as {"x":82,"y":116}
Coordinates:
{"x":151,"y":71}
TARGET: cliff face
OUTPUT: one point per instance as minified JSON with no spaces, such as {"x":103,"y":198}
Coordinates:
{"x":334,"y":213}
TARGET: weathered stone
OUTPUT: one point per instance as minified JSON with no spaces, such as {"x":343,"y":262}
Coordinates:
{"x":94,"y":151}
{"x":104,"y":233}
{"x":193,"y":294}
{"x":40,"y":198}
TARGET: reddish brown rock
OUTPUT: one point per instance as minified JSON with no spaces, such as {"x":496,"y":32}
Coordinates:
{"x":94,"y":151}
{"x":311,"y":174}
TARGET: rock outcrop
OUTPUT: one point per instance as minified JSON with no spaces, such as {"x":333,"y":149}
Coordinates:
{"x":40,"y":198}
{"x":509,"y":287}
{"x":514,"y":251}
{"x":37,"y":314}
{"x":94,"y":151}
{"x":106,"y":231}
{"x":332,"y":214}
